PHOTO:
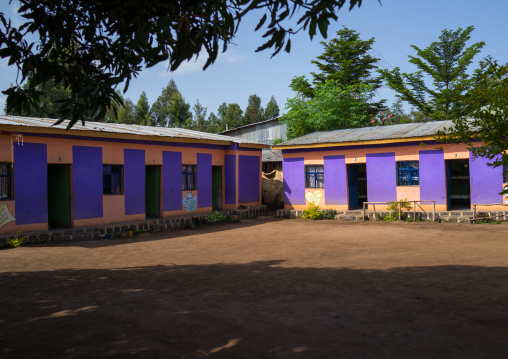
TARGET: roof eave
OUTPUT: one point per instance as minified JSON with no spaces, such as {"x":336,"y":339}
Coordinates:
{"x":355,"y":143}
{"x":98,"y":134}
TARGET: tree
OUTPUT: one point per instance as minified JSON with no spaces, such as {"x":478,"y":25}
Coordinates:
{"x":200,"y":123}
{"x":170,"y":108}
{"x":230,"y":116}
{"x":213,"y":123}
{"x":445,"y":63}
{"x":47,"y":103}
{"x":347,"y":60}
{"x":126,"y":113}
{"x":90,"y":47}
{"x":142,"y":111}
{"x":253,"y":112}
{"x":272,"y":109}
{"x":484,"y":129}
{"x":332,"y":107}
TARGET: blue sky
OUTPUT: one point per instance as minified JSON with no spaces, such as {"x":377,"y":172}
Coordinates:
{"x":241,"y":72}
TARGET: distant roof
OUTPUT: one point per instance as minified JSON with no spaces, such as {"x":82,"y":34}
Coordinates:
{"x":353,"y":136}
{"x":103,"y":129}
{"x":249,"y":125}
{"x":272,"y":155}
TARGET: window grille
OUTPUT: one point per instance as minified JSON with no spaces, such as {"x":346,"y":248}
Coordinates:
{"x":408,"y":173}
{"x":5,"y":181}
{"x":314,"y":177}
{"x":189,"y":177}
{"x":112,"y":176}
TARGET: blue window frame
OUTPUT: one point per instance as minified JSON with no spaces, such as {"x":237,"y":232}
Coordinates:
{"x":408,"y":173}
{"x":5,"y":181}
{"x":505,"y":173}
{"x":189,"y":177}
{"x":314,"y":177}
{"x":112,"y":177}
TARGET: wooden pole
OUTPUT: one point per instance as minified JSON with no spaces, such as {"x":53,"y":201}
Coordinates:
{"x":364,"y":211}
{"x":474,"y":213}
{"x":414,"y":211}
{"x":434,"y":211}
{"x":375,"y":215}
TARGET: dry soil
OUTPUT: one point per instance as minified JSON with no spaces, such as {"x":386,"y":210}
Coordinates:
{"x":262,"y":288}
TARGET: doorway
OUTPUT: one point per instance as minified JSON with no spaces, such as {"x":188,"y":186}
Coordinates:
{"x":59,"y":196}
{"x":357,"y":185}
{"x":216,"y":188}
{"x":153,"y":191}
{"x":458,"y":188}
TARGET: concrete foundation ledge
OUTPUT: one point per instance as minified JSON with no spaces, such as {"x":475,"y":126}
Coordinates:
{"x":120,"y":229}
{"x":448,"y":216}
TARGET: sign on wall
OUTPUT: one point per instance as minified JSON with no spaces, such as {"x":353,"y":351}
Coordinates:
{"x":5,"y":215}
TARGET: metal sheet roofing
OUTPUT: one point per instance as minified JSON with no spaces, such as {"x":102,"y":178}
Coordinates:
{"x":364,"y":134}
{"x":125,"y":129}
{"x":272,"y":155}
{"x":276,"y":119}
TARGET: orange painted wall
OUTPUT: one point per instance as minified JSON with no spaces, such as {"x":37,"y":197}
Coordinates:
{"x":402,"y":153}
{"x":60,"y":152}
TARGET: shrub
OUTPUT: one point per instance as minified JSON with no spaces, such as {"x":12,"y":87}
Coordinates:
{"x":329,"y":213}
{"x":483,"y":215}
{"x":393,"y":207}
{"x":17,"y":241}
{"x":215,"y":217}
{"x":313,"y":212}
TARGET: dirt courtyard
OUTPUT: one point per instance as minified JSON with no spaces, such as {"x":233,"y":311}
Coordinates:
{"x":262,"y":288}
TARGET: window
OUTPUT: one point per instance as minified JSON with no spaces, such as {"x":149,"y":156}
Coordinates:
{"x":408,"y":173}
{"x":112,"y":176}
{"x":505,"y":173}
{"x":189,"y":177}
{"x":5,"y":181}
{"x":314,"y":177}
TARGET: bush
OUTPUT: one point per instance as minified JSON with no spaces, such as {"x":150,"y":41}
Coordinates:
{"x":329,"y":213}
{"x":483,"y":215}
{"x":313,"y":212}
{"x":393,"y":207}
{"x":17,"y":241}
{"x":215,"y":217}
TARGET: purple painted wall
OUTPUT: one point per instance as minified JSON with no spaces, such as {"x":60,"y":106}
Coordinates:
{"x":293,"y":170}
{"x":486,"y":181}
{"x":204,"y":180}
{"x":335,"y":180}
{"x":87,"y":184}
{"x":248,"y":178}
{"x":381,"y":177}
{"x":171,"y":180}
{"x":230,"y":179}
{"x":432,"y":176}
{"x":31,"y":183}
{"x":134,"y":181}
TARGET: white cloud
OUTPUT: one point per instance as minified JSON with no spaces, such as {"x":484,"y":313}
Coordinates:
{"x":197,"y":64}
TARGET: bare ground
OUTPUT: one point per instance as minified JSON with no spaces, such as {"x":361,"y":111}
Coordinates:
{"x":262,"y":288}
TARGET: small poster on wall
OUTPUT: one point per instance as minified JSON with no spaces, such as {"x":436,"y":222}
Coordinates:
{"x":189,"y":202}
{"x":5,"y":215}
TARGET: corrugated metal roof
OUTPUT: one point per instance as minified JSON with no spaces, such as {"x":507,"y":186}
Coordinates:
{"x":272,"y":155}
{"x":121,"y":129}
{"x":249,"y":125}
{"x":406,"y":130}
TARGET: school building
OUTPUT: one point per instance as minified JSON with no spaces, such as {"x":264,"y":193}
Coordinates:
{"x":342,"y":169}
{"x":104,"y":173}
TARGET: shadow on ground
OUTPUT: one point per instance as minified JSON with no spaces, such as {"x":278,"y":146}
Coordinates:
{"x":174,"y":233}
{"x":256,"y":310}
